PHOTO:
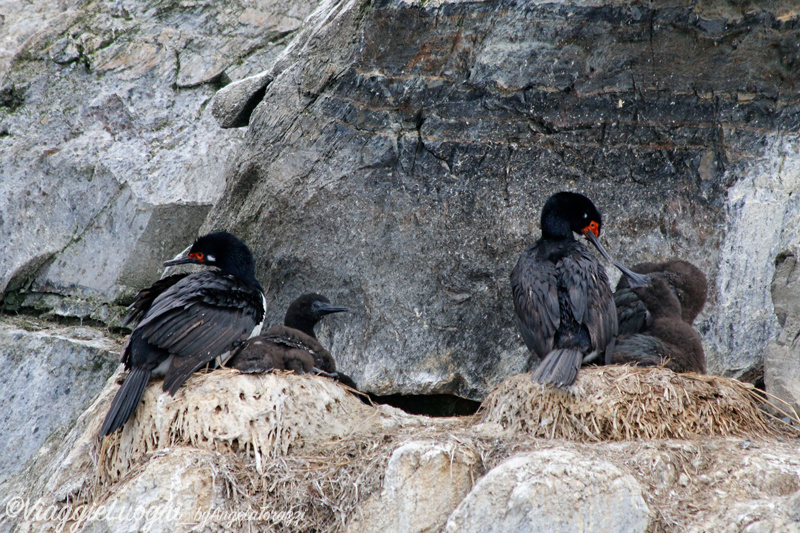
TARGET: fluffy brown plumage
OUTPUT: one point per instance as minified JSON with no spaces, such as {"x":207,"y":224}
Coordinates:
{"x":656,"y":319}
{"x":293,"y":345}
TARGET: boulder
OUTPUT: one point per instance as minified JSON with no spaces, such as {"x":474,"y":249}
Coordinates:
{"x":552,"y":490}
{"x":424,"y":481}
{"x":782,"y":357}
{"x":51,"y":375}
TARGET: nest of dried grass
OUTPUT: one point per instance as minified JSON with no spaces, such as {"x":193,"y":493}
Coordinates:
{"x":300,"y":446}
{"x":626,"y":402}
{"x":260,"y":416}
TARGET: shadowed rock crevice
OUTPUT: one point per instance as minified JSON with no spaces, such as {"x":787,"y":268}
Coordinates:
{"x":429,"y":405}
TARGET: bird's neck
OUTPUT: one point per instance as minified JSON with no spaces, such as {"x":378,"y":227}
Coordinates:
{"x":556,"y":228}
{"x":301,"y":324}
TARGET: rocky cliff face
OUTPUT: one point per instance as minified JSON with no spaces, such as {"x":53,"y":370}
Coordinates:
{"x":396,"y":157}
{"x":111,"y":158}
{"x":393,"y":155}
{"x":401,"y":153}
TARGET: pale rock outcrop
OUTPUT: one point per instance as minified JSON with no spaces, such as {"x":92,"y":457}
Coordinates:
{"x":782,"y":357}
{"x":111,"y":158}
{"x":423,"y":483}
{"x":173,"y":492}
{"x":552,"y":490}
{"x":50,"y":376}
{"x":762,"y":225}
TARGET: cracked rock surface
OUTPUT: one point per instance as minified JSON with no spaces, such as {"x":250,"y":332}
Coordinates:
{"x":111,"y":158}
{"x":402,"y":151}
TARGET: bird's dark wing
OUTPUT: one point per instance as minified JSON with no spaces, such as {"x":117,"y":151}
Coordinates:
{"x":199,"y":318}
{"x":632,"y":315}
{"x":145,"y":297}
{"x":294,"y":338}
{"x":535,"y":290}
{"x":641,"y":350}
{"x":590,"y":297}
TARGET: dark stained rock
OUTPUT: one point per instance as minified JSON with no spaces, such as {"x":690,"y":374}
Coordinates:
{"x":402,"y":152}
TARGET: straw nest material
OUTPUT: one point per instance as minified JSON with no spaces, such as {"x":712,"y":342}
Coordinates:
{"x":625,"y":402}
{"x":279,"y":443}
{"x":259,"y":416}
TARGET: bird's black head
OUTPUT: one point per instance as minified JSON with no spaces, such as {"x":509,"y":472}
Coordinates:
{"x":304,"y":313}
{"x":568,"y":212}
{"x":224,"y":251}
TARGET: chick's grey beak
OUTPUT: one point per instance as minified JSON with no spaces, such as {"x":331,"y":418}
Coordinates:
{"x":327,"y":309}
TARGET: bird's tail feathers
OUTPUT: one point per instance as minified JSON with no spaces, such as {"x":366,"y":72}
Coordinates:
{"x":126,"y":401}
{"x":559,"y":368}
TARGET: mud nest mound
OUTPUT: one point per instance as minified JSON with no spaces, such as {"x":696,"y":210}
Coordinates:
{"x":624,"y":403}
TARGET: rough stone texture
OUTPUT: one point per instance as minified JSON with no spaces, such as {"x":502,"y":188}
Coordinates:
{"x":50,"y":376}
{"x":111,"y":158}
{"x":170,"y":493}
{"x":751,"y":487}
{"x":233,"y":104}
{"x":397,"y":156}
{"x":782,"y":358}
{"x":552,"y":490}
{"x":400,"y":156}
{"x":763,"y":221}
{"x":423,"y":483}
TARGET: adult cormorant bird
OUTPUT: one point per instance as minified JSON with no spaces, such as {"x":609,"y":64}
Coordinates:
{"x":562,"y":297}
{"x":293,"y":345}
{"x":656,"y":319}
{"x":185,"y":321}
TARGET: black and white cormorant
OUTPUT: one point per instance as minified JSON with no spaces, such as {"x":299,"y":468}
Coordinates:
{"x":293,"y":345}
{"x":186,"y":321}
{"x":656,"y":319}
{"x":562,"y":297}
